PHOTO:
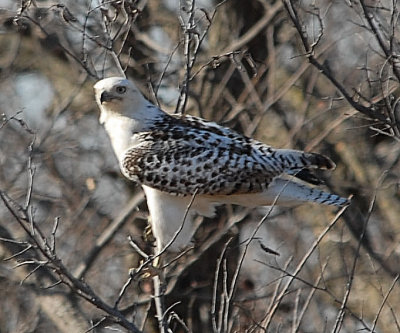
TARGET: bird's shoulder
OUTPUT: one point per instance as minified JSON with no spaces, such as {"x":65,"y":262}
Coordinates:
{"x":187,"y":130}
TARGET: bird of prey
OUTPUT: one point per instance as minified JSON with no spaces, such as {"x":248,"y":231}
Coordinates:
{"x":181,"y":160}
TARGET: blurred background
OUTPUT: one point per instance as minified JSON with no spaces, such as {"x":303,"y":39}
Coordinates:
{"x":322,"y":76}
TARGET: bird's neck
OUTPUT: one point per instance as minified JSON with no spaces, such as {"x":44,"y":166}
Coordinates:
{"x":121,"y":128}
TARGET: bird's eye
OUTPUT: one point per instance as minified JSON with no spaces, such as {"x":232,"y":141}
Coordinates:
{"x":121,"y":89}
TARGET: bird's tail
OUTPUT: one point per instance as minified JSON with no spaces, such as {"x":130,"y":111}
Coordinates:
{"x":286,"y":193}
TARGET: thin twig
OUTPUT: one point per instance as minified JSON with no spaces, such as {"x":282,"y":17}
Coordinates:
{"x":300,"y":266}
{"x":384,"y":300}
{"x":368,"y":111}
{"x":107,"y":235}
{"x":341,"y":312}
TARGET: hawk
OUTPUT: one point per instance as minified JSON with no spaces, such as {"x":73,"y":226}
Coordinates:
{"x":181,"y":160}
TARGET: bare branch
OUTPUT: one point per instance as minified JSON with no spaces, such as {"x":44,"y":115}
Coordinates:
{"x":370,"y":112}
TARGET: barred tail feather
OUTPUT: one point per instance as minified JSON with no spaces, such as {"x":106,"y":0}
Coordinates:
{"x":286,"y":193}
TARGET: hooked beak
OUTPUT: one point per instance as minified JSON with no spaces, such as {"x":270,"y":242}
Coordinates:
{"x":106,"y":97}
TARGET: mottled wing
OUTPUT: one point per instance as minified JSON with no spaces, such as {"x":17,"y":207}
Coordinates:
{"x":183,"y":154}
{"x":182,"y":168}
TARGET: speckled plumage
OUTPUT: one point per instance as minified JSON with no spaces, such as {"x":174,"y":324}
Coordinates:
{"x":180,"y":154}
{"x":175,"y":156}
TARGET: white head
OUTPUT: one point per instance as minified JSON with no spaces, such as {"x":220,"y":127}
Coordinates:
{"x":123,"y":111}
{"x":119,"y":96}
